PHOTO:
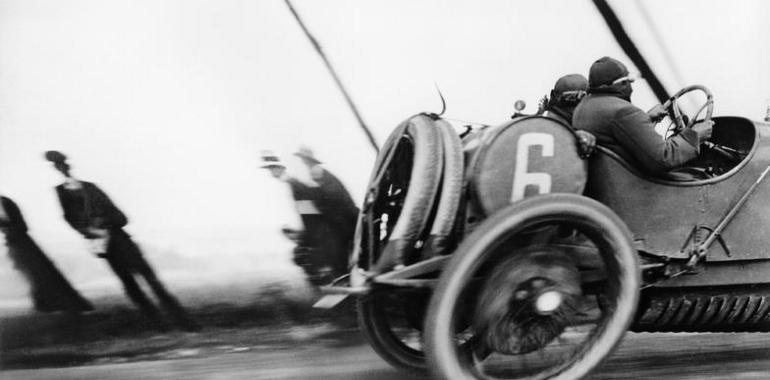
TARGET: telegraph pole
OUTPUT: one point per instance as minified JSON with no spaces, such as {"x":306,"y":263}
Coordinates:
{"x":336,"y":78}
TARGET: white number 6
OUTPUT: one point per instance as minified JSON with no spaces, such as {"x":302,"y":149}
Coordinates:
{"x":522,"y":178}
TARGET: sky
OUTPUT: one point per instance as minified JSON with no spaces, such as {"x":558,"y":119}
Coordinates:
{"x":167,"y":104}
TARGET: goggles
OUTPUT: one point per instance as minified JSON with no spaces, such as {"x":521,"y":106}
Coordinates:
{"x":630,"y":78}
{"x":571,"y":96}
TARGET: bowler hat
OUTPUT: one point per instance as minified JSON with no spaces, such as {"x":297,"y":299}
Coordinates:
{"x":604,"y":71}
{"x":307,"y":153}
{"x":55,"y":156}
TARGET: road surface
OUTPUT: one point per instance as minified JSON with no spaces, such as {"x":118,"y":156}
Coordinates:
{"x":641,"y":356}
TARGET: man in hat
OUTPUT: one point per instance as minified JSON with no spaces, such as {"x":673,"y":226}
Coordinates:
{"x":336,"y":205}
{"x":305,"y":196}
{"x":625,"y":129}
{"x":91,"y":212}
{"x":315,"y":243}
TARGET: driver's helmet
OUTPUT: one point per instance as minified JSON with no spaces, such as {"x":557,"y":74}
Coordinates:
{"x":568,"y":90}
{"x":605,"y":71}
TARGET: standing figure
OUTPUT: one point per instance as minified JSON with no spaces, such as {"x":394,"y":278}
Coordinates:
{"x":336,"y":205}
{"x":49,"y":289}
{"x":91,"y":212}
{"x":316,"y":244}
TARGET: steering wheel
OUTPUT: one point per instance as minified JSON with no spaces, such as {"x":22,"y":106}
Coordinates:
{"x":681,"y":121}
{"x":675,"y":112}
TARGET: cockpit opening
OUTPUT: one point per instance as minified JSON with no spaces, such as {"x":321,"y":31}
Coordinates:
{"x":730,"y":144}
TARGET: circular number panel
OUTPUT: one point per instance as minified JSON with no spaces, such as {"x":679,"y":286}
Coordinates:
{"x":526,"y":157}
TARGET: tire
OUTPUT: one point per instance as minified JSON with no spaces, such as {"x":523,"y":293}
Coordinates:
{"x":419,"y":190}
{"x":439,"y":241}
{"x":411,"y":161}
{"x":621,"y":281}
{"x":379,"y":332}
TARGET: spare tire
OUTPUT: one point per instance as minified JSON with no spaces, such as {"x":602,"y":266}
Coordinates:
{"x":402,"y":192}
{"x":440,"y":238}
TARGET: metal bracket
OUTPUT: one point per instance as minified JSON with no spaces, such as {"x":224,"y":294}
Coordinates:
{"x":423,"y":267}
{"x":716,"y":234}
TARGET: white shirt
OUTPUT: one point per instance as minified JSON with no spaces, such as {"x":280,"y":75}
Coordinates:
{"x":316,"y":172}
{"x":304,"y":206}
{"x":71,"y":183}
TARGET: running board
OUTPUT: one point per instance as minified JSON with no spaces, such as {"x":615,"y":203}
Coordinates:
{"x":433,"y":264}
{"x":334,"y":294}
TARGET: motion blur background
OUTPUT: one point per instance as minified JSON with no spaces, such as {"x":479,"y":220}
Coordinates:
{"x":166,"y":104}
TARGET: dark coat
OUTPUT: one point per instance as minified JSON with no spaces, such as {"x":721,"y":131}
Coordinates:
{"x":15,"y":224}
{"x":560,"y":114}
{"x":326,"y":245}
{"x":628,"y":131}
{"x":338,"y":207}
{"x":336,"y":203}
{"x":49,"y":289}
{"x":305,"y":201}
{"x":88,"y":207}
{"x":302,"y":192}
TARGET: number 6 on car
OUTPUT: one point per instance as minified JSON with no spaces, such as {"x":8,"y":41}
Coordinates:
{"x":521,"y":177}
{"x":545,"y":161}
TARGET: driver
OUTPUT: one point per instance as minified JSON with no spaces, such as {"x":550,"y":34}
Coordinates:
{"x":625,"y":129}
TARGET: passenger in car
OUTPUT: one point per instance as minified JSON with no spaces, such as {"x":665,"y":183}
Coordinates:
{"x":565,"y":96}
{"x":567,"y":93}
{"x":625,"y":129}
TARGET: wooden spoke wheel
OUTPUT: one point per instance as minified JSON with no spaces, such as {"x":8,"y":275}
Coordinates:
{"x":536,"y":315}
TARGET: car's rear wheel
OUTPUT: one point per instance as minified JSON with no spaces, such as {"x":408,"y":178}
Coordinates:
{"x":532,"y":301}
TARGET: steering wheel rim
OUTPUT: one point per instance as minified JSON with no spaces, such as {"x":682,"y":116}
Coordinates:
{"x":675,"y":112}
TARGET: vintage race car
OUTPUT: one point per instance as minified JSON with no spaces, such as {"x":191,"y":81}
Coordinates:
{"x":504,"y":254}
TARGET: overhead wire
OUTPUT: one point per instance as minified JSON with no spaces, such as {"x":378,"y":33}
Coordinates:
{"x":663,"y":47}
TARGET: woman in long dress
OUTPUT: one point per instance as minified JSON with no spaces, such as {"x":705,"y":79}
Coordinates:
{"x":49,"y":290}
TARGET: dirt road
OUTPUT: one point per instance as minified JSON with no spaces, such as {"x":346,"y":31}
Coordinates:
{"x":641,"y":356}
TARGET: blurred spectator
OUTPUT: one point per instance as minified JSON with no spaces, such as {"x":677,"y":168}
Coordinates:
{"x":49,"y":290}
{"x":317,"y":248}
{"x":91,"y":212}
{"x":336,"y":206}
{"x":314,"y":265}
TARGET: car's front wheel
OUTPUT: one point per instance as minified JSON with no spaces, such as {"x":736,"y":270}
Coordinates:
{"x":531,"y":299}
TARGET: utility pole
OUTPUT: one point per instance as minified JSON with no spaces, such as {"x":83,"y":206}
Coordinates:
{"x":336,"y":78}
